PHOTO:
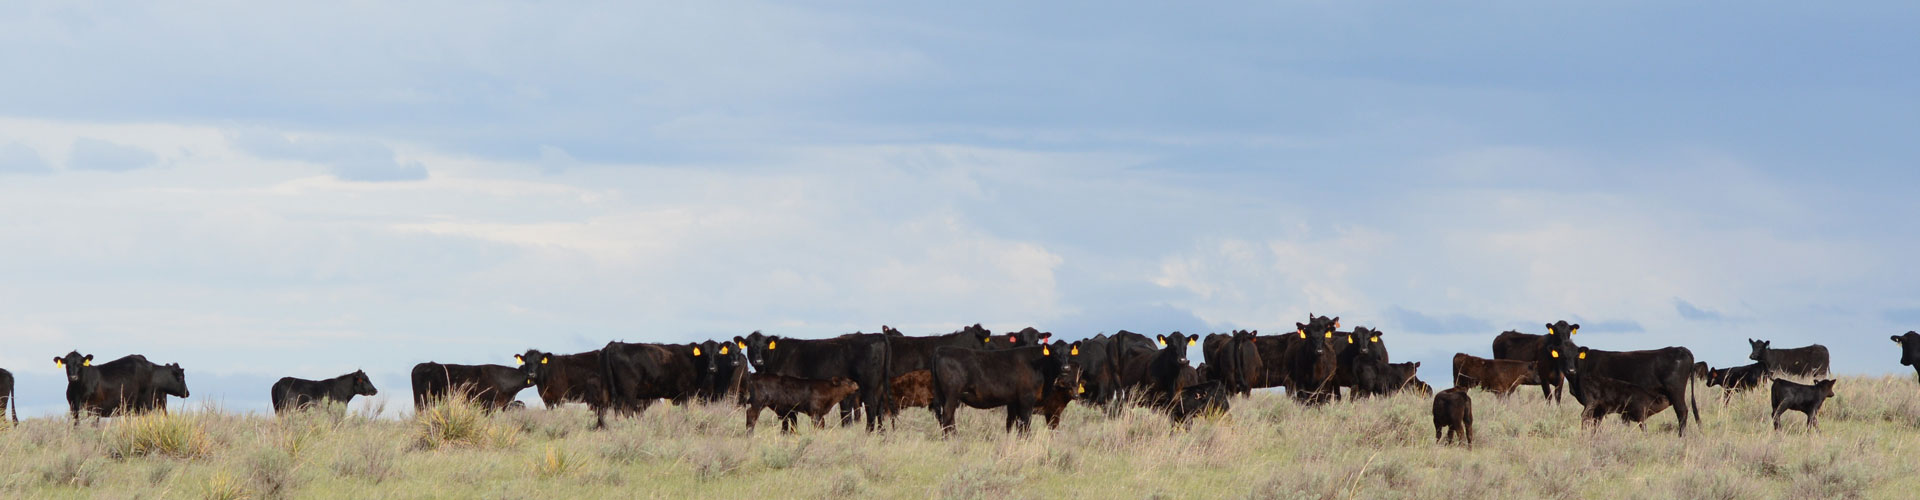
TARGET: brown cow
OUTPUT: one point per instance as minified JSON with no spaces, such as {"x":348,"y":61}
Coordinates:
{"x":912,"y":389}
{"x":1499,"y":376}
{"x":788,"y":397}
{"x":1453,"y":412}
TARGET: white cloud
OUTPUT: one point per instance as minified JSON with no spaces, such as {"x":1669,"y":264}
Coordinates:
{"x":95,"y":154}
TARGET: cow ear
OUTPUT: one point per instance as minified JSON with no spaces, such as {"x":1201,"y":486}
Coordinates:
{"x":1549,"y":327}
{"x":1162,"y":339}
{"x":1074,"y":350}
{"x":1192,"y":340}
{"x":544,"y":358}
{"x":88,"y":361}
{"x":1896,"y":340}
{"x":519,"y":360}
{"x":770,"y":344}
{"x":57,"y":361}
{"x":1575,"y":331}
{"x":1045,"y":351}
{"x":1336,"y":322}
{"x":696,"y":350}
{"x":1416,"y":364}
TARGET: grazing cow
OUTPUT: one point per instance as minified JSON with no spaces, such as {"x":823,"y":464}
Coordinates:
{"x":1312,"y":362}
{"x":1453,"y":413}
{"x":638,"y":373}
{"x":1234,"y":360}
{"x":1529,"y":347}
{"x":789,"y":397}
{"x":1736,"y":379}
{"x":6,"y":391}
{"x":1788,"y":395}
{"x":568,"y":378}
{"x":1016,"y":378}
{"x":1700,"y":369}
{"x":1419,"y":386}
{"x":913,"y":389}
{"x":491,"y":386}
{"x":1909,"y":350}
{"x":1499,"y":376}
{"x":863,"y":358}
{"x":1809,"y":361}
{"x":121,"y":386}
{"x":1602,"y":396}
{"x":291,"y":394}
{"x":1667,"y":371}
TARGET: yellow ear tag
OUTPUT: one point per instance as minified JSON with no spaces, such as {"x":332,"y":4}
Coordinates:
{"x":517,"y":360}
{"x":1583,"y":355}
{"x":1376,"y":338}
{"x":743,"y":345}
{"x":696,"y":351}
{"x":1575,"y":331}
{"x":1163,"y":342}
{"x":1329,"y":335}
{"x":1045,"y":351}
{"x":86,"y":362}
{"x":60,"y":363}
{"x":1349,"y":339}
{"x":1303,"y":333}
{"x":1191,"y":342}
{"x":1554,"y":353}
{"x":544,"y":360}
{"x":723,"y":349}
{"x":987,"y":340}
{"x":770,"y":345}
{"x":1083,"y":388}
{"x":1074,"y":352}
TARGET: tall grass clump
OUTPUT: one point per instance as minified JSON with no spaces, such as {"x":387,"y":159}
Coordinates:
{"x":161,"y":434}
{"x":459,"y":422}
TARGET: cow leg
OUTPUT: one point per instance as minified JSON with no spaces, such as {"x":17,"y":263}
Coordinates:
{"x":846,"y":409}
{"x":1777,"y":410}
{"x":945,"y":415}
{"x":876,"y":408}
{"x":1437,"y":429}
{"x":1468,"y":427}
{"x":1813,"y":420}
{"x":753,"y":415}
{"x":1679,"y":401}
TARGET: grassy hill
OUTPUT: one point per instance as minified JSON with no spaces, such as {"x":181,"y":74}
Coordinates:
{"x":1266,"y":447}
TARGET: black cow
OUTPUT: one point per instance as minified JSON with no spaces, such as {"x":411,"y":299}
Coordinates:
{"x":493,"y":387}
{"x":1275,"y":370}
{"x":1349,"y":345}
{"x":1164,"y":371}
{"x":121,"y":386}
{"x":1803,"y":398}
{"x":1373,"y":376}
{"x":910,"y":353}
{"x":1209,"y":397}
{"x":1453,"y":413}
{"x":1312,"y":362}
{"x":568,"y":378}
{"x":1909,"y":351}
{"x":290,"y":394}
{"x":1736,"y":379}
{"x":1097,"y":370}
{"x":1668,"y":371}
{"x":1132,"y":355}
{"x":863,"y":358}
{"x":638,"y":373}
{"x":1601,"y":396}
{"x":790,"y":397}
{"x":1809,"y":361}
{"x":1529,"y":347}
{"x":727,"y":369}
{"x":1018,"y":379}
{"x":1234,"y":360}
{"x":6,"y":391}
{"x":168,"y":380}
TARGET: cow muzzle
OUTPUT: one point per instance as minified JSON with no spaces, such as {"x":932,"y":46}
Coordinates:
{"x":73,"y":378}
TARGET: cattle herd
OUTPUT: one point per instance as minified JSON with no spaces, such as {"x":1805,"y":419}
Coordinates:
{"x":874,"y":376}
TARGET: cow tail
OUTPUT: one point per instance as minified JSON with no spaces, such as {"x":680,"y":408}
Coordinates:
{"x":1693,"y":398}
{"x":616,"y":398}
{"x":13,"y":403}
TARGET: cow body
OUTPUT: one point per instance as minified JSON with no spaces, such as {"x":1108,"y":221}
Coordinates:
{"x":1234,"y":360}
{"x":1601,"y":396}
{"x":1667,"y":371}
{"x":290,"y":394}
{"x":168,"y":380}
{"x":1789,"y":395}
{"x":1312,"y":362}
{"x":909,"y":354}
{"x":1453,"y":413}
{"x":910,"y":390}
{"x":1017,"y":379}
{"x":1518,"y":346}
{"x":1809,"y":361}
{"x":569,"y":378}
{"x":1498,"y":376}
{"x":790,"y":397}
{"x":1735,"y":379}
{"x":638,"y":373}
{"x":121,"y":386}
{"x":492,"y":387}
{"x":1909,"y":351}
{"x":863,"y":358}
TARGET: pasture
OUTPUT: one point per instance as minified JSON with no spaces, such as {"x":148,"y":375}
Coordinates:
{"x":1265,"y":447}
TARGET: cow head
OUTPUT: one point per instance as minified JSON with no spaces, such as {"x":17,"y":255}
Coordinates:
{"x":1566,"y":358}
{"x":1759,"y":349}
{"x":1716,"y":377}
{"x":171,"y":379}
{"x":73,"y":362}
{"x":534,"y":364}
{"x":1825,"y":387}
{"x":1561,"y":330}
{"x":1177,"y":343}
{"x":976,"y":333}
{"x":1367,"y":341}
{"x":1025,"y":337}
{"x":361,"y":384}
{"x":1909,"y":348}
{"x":757,"y":344}
{"x":1317,"y":333}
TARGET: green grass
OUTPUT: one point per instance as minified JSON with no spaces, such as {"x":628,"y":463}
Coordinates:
{"x":1266,"y":447}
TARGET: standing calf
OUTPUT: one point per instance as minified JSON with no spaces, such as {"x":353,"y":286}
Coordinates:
{"x":1453,"y":412}
{"x":1802,"y":398}
{"x":788,"y":397}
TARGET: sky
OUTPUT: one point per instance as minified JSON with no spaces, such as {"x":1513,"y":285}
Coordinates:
{"x":257,"y":191}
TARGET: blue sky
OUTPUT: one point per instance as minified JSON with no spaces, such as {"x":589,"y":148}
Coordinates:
{"x":260,"y":191}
